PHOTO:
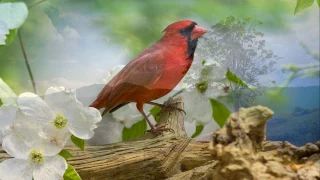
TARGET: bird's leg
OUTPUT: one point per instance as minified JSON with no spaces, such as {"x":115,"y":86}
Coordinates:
{"x":154,"y":129}
{"x":164,"y":107}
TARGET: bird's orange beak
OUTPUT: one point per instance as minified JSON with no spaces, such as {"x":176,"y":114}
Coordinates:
{"x":197,"y":32}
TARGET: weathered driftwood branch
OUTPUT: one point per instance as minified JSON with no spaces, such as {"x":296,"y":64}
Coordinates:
{"x":147,"y":157}
{"x":237,"y":151}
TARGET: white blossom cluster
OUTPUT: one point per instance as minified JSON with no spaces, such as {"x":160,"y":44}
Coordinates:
{"x":35,"y":130}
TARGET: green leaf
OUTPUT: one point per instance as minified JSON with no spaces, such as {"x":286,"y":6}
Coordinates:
{"x":136,"y":130}
{"x":78,"y":142}
{"x":11,"y":36}
{"x":302,"y":4}
{"x":154,"y":111}
{"x":6,"y":93}
{"x":220,"y":112}
{"x":318,"y":1}
{"x":199,"y":129}
{"x":65,"y":154}
{"x":71,"y":174}
{"x":233,"y":78}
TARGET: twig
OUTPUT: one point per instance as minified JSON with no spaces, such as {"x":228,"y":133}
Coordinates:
{"x":27,"y":62}
{"x":25,"y":54}
{"x":179,"y":92}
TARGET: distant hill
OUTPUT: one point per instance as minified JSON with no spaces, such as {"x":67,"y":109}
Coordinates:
{"x":296,"y":116}
{"x":292,"y":97}
{"x":300,"y":127}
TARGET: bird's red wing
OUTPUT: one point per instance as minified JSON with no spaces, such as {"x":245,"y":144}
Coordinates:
{"x":143,"y":71}
{"x":140,"y":73}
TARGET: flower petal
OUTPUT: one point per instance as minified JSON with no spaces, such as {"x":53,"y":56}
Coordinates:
{"x":51,"y":169}
{"x":109,"y":131}
{"x":55,"y":138}
{"x":57,"y":98}
{"x":128,"y":115}
{"x":81,"y":120}
{"x":7,"y":116}
{"x":7,"y":96}
{"x":3,"y":31}
{"x":13,"y":14}
{"x":35,"y":108}
{"x":197,"y":108}
{"x":20,"y":137}
{"x":14,"y":169}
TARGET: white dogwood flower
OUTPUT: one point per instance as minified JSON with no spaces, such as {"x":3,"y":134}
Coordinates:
{"x":60,"y":114}
{"x":204,"y":80}
{"x":34,"y":157}
{"x":207,"y":78}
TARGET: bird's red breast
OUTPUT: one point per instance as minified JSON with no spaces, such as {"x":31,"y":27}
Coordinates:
{"x":156,"y":70}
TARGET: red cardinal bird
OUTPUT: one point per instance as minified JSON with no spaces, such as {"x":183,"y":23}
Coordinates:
{"x":154,"y":72}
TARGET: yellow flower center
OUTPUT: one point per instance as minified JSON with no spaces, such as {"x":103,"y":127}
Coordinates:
{"x":60,"y":122}
{"x":36,"y":156}
{"x":202,"y":87}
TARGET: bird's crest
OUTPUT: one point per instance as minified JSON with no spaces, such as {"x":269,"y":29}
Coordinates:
{"x":178,"y":25}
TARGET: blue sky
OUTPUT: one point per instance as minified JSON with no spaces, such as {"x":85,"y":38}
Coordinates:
{"x":303,"y":27}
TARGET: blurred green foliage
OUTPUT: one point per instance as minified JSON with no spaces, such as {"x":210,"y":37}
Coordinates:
{"x":137,"y":24}
{"x":303,"y":4}
{"x":133,"y":24}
